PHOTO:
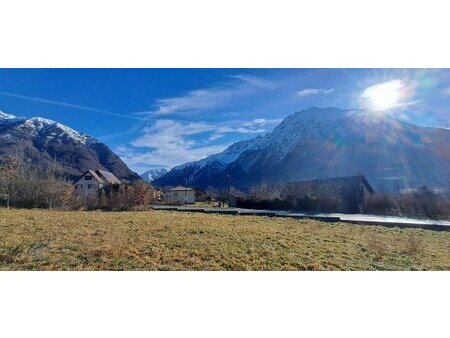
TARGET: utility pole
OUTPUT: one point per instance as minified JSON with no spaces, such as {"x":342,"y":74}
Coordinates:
{"x":185,"y":184}
{"x":229,"y":184}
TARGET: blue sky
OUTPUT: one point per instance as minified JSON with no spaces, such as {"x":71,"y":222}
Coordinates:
{"x":166,"y":117}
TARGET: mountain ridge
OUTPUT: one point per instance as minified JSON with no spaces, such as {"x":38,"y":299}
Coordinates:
{"x":44,"y":143}
{"x":328,"y":142}
{"x":154,"y":173}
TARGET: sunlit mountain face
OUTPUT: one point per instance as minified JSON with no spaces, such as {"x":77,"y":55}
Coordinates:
{"x":328,"y":142}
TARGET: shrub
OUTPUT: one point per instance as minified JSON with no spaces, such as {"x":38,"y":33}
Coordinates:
{"x":26,"y":188}
{"x":382,"y":204}
{"x":134,"y":196}
{"x":275,"y":204}
{"x":376,"y":245}
{"x":264,"y":191}
{"x":414,"y":244}
{"x":422,"y":203}
{"x":301,"y":204}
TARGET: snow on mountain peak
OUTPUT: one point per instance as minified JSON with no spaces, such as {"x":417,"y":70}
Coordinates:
{"x":39,"y":124}
{"x":8,"y":118}
{"x":313,"y":120}
{"x":286,"y":135}
{"x":154,"y":173}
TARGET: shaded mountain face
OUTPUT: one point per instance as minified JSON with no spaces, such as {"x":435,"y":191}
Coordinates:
{"x":153,"y":174}
{"x":48,"y":145}
{"x":329,"y":142}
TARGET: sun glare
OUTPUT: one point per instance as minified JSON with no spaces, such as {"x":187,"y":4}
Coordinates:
{"x":384,"y":95}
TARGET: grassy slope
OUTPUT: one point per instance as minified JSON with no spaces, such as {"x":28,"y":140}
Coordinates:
{"x":160,"y":240}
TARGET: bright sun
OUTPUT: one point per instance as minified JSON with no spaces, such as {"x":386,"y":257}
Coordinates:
{"x":384,"y":95}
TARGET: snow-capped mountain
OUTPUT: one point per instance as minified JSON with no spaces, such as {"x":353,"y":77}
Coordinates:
{"x":38,"y":126}
{"x":8,"y":118}
{"x":154,"y":173}
{"x":44,"y":144}
{"x":328,"y":142}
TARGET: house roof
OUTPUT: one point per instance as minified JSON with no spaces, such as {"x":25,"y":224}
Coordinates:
{"x":181,"y":188}
{"x":328,"y":186}
{"x":109,"y":177}
{"x":101,"y":176}
{"x":94,"y":174}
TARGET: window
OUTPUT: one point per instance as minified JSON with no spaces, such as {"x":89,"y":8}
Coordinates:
{"x":175,"y":194}
{"x":78,"y":186}
{"x":90,"y":186}
{"x":88,"y":178}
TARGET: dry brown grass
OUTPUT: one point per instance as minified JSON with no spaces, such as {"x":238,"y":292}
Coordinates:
{"x":376,"y":244}
{"x":164,"y":240}
{"x":414,"y":244}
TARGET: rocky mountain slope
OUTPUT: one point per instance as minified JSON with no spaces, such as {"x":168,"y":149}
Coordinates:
{"x":329,"y":142}
{"x":45,"y":144}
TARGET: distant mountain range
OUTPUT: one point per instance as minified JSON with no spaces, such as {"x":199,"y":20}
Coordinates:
{"x":329,"y":142}
{"x":154,"y":173}
{"x":45,"y":144}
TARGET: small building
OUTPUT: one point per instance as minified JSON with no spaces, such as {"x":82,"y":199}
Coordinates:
{"x":343,"y":194}
{"x":92,"y":181}
{"x":180,"y":195}
{"x":200,"y":195}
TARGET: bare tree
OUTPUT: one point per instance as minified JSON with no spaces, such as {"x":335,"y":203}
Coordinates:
{"x":266,"y":191}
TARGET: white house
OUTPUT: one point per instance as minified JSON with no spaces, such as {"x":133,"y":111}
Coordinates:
{"x":92,"y":181}
{"x":180,"y":195}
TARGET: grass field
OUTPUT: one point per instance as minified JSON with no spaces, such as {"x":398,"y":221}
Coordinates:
{"x":164,"y":240}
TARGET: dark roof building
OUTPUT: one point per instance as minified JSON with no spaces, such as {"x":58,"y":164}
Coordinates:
{"x":349,"y":193}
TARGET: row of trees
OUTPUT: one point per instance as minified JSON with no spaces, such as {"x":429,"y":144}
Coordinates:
{"x":21,"y":186}
{"x":122,"y":197}
{"x":422,"y":202}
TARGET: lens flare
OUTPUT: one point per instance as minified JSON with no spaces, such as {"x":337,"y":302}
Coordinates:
{"x":384,"y":95}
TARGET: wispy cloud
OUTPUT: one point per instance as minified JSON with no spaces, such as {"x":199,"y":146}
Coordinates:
{"x":142,"y":161}
{"x":171,"y":142}
{"x":167,"y":143}
{"x":312,"y":91}
{"x":255,"y":81}
{"x":200,"y":100}
{"x":255,"y":126}
{"x":66,"y":104}
{"x":260,"y":122}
